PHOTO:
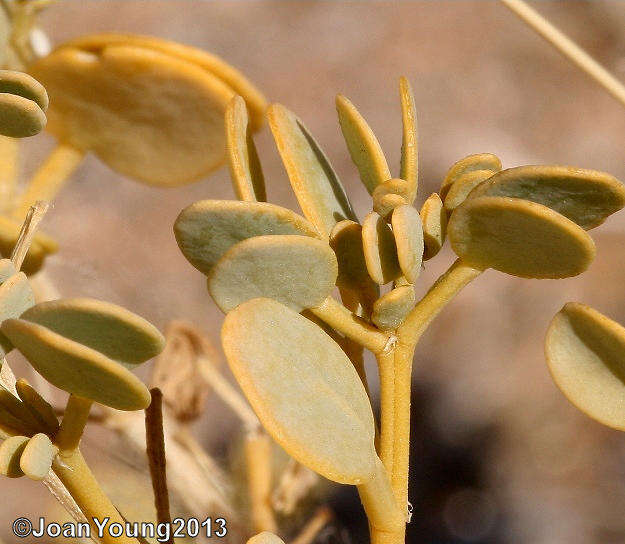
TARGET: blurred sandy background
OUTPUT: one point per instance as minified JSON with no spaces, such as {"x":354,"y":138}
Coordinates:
{"x":499,"y":454}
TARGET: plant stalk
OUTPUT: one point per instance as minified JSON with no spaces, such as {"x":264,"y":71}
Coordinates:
{"x":73,"y":424}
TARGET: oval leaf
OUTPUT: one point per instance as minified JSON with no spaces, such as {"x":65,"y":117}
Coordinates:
{"x":75,"y":368}
{"x":38,"y":406}
{"x":315,"y":184}
{"x":281,"y":361}
{"x":20,"y":117}
{"x":379,"y":248}
{"x":479,"y":161}
{"x":520,"y":238}
{"x":461,"y":188}
{"x":390,"y":310}
{"x":434,"y":219}
{"x":298,"y":271}
{"x":16,"y":296}
{"x":10,"y":453}
{"x":37,"y":457}
{"x":208,"y":228}
{"x":22,"y":84}
{"x":585,"y":352}
{"x":408,"y":233}
{"x":586,"y":197}
{"x":409,"y":170}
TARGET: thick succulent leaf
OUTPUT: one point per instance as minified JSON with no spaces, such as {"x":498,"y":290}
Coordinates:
{"x":520,"y":238}
{"x":409,"y":170}
{"x":461,"y":188}
{"x":479,"y":161}
{"x":104,"y":327}
{"x":37,"y":457}
{"x":19,"y":412}
{"x":408,"y":233}
{"x":214,"y":65}
{"x":38,"y":406}
{"x":20,"y":117}
{"x":245,"y":170}
{"x":390,"y":310}
{"x":586,"y":356}
{"x":379,"y":248}
{"x":265,"y":538}
{"x":140,"y":110}
{"x":207,"y":229}
{"x":586,"y":197}
{"x":76,"y":368}
{"x":316,"y":185}
{"x":363,"y":146}
{"x":10,"y":454}
{"x":298,"y":271}
{"x":303,"y":388}
{"x":22,"y":84}
{"x":434,"y":219}
{"x":346,"y":241}
{"x":16,"y":296}
{"x":389,"y":195}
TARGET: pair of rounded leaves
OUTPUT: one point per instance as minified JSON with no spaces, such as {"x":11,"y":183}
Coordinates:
{"x":16,"y":296}
{"x":86,"y":347}
{"x":32,"y":457}
{"x":23,"y":102}
{"x":303,"y":388}
{"x":585,"y":352}
{"x":530,"y":221}
{"x":150,"y":109}
{"x":471,"y":163}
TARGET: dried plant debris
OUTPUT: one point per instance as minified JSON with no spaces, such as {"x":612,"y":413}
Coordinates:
{"x":586,"y":356}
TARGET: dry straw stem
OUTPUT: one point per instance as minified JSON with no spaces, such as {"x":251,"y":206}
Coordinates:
{"x":155,"y":444}
{"x":568,"y":48}
{"x":315,"y":525}
{"x":33,"y":217}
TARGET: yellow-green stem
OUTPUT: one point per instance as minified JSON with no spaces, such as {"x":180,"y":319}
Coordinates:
{"x":259,"y":460}
{"x":73,"y":471}
{"x":73,"y":424}
{"x":49,"y":178}
{"x":387,"y":403}
{"x":409,"y":333}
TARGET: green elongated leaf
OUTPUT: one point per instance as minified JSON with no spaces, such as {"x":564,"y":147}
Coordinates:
{"x":76,"y":368}
{"x":282,"y":360}
{"x":409,"y":170}
{"x":10,"y":453}
{"x":298,"y":271}
{"x":315,"y":184}
{"x":520,"y":238}
{"x":380,"y":251}
{"x":346,"y":241}
{"x":37,"y":457}
{"x":16,"y":296}
{"x":363,"y":146}
{"x":479,"y":161}
{"x":585,"y":352}
{"x":390,"y":310}
{"x":104,"y":327}
{"x":245,"y":170}
{"x":22,"y":84}
{"x":586,"y":197}
{"x":434,"y":219}
{"x":207,"y":229}
{"x":461,"y":188}
{"x":408,"y":233}
{"x":265,"y":538}
{"x":38,"y":406}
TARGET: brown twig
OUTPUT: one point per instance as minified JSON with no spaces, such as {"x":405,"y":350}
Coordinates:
{"x":155,"y":442}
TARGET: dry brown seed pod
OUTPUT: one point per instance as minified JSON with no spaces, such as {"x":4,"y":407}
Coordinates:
{"x":37,"y":457}
{"x":10,"y":454}
{"x":390,"y":310}
{"x":461,"y":188}
{"x":298,"y":271}
{"x":265,"y":538}
{"x":138,"y":109}
{"x":434,"y":219}
{"x":408,"y":234}
{"x":315,"y":184}
{"x":212,"y":64}
{"x":245,"y":170}
{"x":520,"y":238}
{"x":206,"y":229}
{"x":281,"y":359}
{"x":585,"y":352}
{"x":363,"y":145}
{"x":409,"y":170}
{"x":379,"y":249}
{"x":587,"y":197}
{"x":479,"y":161}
